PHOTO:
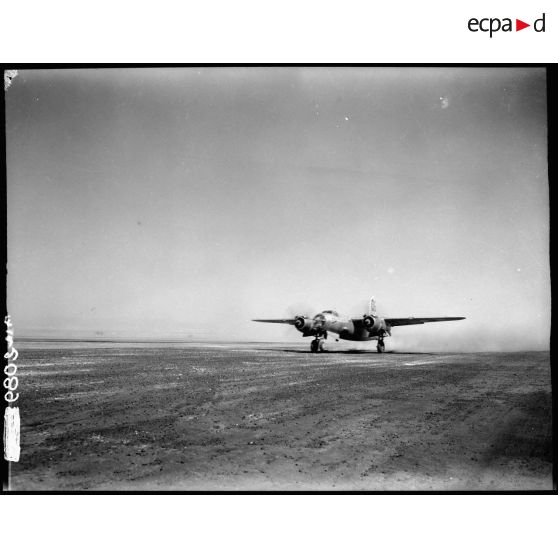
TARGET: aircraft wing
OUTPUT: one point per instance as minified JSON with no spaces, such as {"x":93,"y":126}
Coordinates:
{"x":291,"y":322}
{"x":414,"y":321}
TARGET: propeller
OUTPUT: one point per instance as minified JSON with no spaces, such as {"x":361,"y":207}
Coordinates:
{"x":300,"y":309}
{"x":369,"y":322}
{"x":304,"y":324}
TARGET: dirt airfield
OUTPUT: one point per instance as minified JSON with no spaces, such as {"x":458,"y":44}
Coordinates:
{"x":264,"y":416}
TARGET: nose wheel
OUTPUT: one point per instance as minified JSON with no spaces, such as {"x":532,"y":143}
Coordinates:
{"x":317,"y":345}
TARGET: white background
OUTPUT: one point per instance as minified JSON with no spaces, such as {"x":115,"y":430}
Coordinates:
{"x":279,"y":526}
{"x":256,"y":31}
{"x":263,"y":32}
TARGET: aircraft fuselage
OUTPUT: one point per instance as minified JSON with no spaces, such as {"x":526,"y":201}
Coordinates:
{"x":350,"y":329}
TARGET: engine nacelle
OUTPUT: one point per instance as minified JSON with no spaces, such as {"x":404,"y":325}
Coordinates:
{"x":304,"y":324}
{"x":374,"y":325}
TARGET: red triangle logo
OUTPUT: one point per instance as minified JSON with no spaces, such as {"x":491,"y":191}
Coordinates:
{"x":519,"y":25}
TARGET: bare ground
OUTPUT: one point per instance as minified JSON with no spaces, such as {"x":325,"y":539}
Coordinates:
{"x":276,"y":417}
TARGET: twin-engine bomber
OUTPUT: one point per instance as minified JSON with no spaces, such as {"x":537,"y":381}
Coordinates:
{"x":368,"y":328}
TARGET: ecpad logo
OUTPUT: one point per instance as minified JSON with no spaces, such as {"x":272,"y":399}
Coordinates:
{"x":493,"y":25}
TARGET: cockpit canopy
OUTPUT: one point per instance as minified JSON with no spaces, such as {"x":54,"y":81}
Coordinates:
{"x":332,"y":312}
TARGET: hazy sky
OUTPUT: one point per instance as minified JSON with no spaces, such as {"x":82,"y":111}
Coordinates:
{"x":188,"y":200}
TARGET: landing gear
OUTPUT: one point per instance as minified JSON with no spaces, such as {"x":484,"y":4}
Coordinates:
{"x":317,"y":345}
{"x":381,"y":346}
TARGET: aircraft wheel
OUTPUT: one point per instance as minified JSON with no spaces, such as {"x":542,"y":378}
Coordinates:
{"x":314,"y":346}
{"x":321,"y":345}
{"x":381,"y":347}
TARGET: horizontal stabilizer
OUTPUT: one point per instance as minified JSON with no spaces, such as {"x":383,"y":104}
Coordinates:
{"x":414,"y":321}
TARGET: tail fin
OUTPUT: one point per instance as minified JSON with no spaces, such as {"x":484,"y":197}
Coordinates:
{"x":372,"y":306}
